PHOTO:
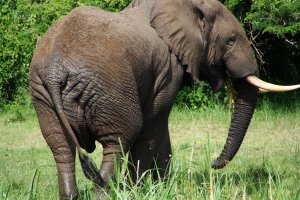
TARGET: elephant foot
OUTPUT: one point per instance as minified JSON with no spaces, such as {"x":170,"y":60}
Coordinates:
{"x":101,"y":193}
{"x":68,"y":197}
{"x":68,"y":189}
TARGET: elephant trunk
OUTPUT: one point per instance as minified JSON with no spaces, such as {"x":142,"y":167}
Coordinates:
{"x":245,"y":103}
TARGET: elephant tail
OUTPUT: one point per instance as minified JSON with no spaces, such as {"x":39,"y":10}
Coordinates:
{"x":88,"y":165}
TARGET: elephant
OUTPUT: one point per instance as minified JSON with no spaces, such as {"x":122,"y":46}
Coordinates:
{"x":113,"y":77}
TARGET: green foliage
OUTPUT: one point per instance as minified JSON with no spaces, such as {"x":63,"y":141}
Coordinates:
{"x":115,"y":5}
{"x":22,"y":24}
{"x":19,"y":109}
{"x":238,"y":7}
{"x":279,"y":17}
{"x":200,"y":97}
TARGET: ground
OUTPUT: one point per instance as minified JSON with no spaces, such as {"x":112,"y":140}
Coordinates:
{"x":267,"y":165}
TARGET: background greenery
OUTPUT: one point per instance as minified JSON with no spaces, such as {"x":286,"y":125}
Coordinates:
{"x":272,"y":25}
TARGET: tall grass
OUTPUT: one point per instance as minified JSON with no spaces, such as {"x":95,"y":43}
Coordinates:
{"x":266,"y":167}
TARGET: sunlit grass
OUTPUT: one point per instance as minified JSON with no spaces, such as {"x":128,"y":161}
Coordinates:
{"x":266,"y":167}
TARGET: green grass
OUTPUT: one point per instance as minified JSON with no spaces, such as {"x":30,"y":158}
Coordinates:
{"x":267,"y":165}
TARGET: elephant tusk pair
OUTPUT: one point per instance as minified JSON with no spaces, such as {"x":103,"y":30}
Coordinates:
{"x":265,"y":87}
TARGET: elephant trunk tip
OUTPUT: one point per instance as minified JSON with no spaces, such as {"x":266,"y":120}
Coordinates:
{"x":219,"y":163}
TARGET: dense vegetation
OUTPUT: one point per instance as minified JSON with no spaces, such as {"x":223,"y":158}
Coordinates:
{"x":272,"y":25}
{"x":22,"y":24}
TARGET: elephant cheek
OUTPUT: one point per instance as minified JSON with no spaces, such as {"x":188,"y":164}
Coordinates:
{"x":240,"y":66}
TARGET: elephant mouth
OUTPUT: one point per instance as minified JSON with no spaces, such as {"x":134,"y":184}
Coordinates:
{"x":215,"y":79}
{"x":218,"y":85}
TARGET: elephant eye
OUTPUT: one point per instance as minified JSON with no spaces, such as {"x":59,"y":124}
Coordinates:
{"x":231,"y":40}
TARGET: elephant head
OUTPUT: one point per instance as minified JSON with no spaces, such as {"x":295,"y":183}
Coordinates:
{"x":209,"y":40}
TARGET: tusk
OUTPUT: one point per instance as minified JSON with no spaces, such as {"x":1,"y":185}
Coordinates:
{"x":268,"y":87}
{"x":261,"y":91}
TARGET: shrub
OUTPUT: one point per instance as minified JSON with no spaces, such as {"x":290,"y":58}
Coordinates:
{"x":278,"y":17}
{"x":200,"y":97}
{"x":22,"y":23}
{"x":115,"y":5}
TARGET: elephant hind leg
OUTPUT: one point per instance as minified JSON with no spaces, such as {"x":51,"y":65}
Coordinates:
{"x":114,"y":146}
{"x":62,"y":148}
{"x":111,"y":158}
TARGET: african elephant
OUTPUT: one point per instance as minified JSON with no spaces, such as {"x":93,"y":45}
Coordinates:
{"x":112,"y":78}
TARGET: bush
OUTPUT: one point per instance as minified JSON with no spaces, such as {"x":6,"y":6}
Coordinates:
{"x":200,"y":97}
{"x":276,"y":17}
{"x":115,"y":5}
{"x":22,"y":23}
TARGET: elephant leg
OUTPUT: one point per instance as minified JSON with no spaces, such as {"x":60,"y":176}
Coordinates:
{"x":111,"y":159}
{"x":141,"y":159}
{"x":163,"y":157}
{"x":151,"y":150}
{"x":62,"y":149}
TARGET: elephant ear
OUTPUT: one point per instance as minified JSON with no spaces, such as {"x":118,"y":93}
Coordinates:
{"x":184,"y":26}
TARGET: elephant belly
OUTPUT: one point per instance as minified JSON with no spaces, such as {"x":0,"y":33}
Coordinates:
{"x":100,"y":110}
{"x":112,"y":119}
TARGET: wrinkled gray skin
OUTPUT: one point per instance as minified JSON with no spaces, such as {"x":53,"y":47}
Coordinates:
{"x":113,"y":76}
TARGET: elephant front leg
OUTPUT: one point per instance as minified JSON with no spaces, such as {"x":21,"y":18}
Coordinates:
{"x":152,"y":150}
{"x":62,"y":149}
{"x":163,"y":156}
